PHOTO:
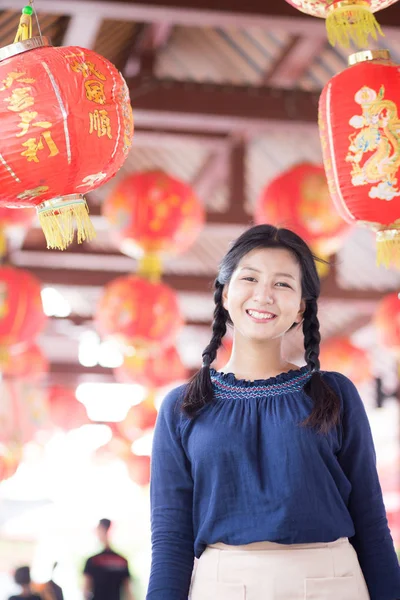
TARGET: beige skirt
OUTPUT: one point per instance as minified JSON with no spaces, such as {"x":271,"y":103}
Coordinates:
{"x":269,"y":571}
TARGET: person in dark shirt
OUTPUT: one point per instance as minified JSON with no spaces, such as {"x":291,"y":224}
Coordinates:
{"x":106,"y":575}
{"x":22,"y":577}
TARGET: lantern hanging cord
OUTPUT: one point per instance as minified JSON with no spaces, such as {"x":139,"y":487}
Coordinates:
{"x":32,"y":5}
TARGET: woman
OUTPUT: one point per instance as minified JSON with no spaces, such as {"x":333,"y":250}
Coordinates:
{"x":266,"y":471}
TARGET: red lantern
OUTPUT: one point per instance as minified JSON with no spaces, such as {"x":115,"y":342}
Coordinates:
{"x":21,"y":310}
{"x":299,"y":199}
{"x":387,"y":322}
{"x":340,"y":355}
{"x":346,"y":20}
{"x":152,"y":212}
{"x":138,"y":469}
{"x":66,"y":129}
{"x":139,"y":418}
{"x":358,"y":116}
{"x":25,"y":364}
{"x":15,"y":218}
{"x":65,"y":411}
{"x":139,"y":312}
{"x":152,"y":371}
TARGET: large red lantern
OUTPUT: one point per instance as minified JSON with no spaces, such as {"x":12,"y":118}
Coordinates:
{"x":26,"y":363}
{"x":21,"y":310}
{"x":299,"y":199}
{"x":387,"y":322}
{"x":152,"y":212}
{"x":358,"y":120}
{"x":346,"y":20}
{"x":339,"y":354}
{"x":152,"y":371}
{"x":139,"y":313}
{"x":66,"y":126}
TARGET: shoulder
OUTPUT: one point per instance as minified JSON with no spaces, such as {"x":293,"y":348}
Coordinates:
{"x":346,"y":390}
{"x":171,"y":406}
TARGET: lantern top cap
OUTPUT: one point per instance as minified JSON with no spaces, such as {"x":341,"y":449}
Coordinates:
{"x":24,"y":46}
{"x":365,"y":55}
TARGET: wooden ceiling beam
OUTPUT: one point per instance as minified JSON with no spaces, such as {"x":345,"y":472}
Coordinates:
{"x":295,"y":60}
{"x":204,"y":13}
{"x":219,"y":107}
{"x":143,"y":55}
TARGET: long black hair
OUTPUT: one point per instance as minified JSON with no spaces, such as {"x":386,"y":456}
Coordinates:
{"x":199,"y":392}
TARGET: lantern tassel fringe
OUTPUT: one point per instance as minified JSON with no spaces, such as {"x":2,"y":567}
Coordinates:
{"x":24,"y":31}
{"x":60,"y":222}
{"x":388,"y":250}
{"x":352,"y":22}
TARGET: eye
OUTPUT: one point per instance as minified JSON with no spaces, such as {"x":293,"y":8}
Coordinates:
{"x":283,"y":284}
{"x":252,"y":279}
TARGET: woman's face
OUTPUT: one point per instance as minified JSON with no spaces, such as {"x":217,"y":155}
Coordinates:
{"x":263,"y":297}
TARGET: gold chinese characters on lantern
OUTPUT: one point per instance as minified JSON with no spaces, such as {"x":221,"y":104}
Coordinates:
{"x":66,"y":129}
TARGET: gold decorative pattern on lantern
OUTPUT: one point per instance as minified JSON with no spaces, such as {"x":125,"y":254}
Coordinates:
{"x":379,"y":134}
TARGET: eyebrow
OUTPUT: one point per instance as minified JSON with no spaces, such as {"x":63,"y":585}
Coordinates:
{"x":277,"y":274}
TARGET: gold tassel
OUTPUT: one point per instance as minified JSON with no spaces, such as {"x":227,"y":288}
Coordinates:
{"x":3,"y":243}
{"x":24,"y":31}
{"x":388,"y":248}
{"x":150,"y":267}
{"x":59,"y":218}
{"x":351,"y":21}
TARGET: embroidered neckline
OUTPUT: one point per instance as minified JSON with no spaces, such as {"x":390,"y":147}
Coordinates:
{"x":292,"y":380}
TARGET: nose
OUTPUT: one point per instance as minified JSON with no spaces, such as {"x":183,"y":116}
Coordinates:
{"x":263,"y":295}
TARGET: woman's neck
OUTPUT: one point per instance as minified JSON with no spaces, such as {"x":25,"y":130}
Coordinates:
{"x":255,"y":360}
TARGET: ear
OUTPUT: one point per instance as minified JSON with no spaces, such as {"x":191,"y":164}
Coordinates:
{"x":225,"y":296}
{"x":300,"y":314}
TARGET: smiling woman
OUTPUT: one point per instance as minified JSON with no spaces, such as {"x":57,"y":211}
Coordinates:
{"x":266,"y":472}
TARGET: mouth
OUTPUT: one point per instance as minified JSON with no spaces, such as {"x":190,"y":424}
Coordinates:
{"x":260,"y":316}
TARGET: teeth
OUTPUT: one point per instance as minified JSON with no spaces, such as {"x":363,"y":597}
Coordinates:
{"x":257,"y":315}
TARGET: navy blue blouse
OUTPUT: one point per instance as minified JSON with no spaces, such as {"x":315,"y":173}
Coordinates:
{"x":245,"y":470}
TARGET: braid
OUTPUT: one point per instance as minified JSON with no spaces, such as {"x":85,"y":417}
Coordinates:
{"x":326,"y":409}
{"x":218,"y":327}
{"x":199,"y":391}
{"x":312,"y":336}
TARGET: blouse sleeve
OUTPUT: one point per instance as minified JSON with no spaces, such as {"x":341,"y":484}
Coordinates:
{"x":372,"y":540}
{"x":171,"y":493}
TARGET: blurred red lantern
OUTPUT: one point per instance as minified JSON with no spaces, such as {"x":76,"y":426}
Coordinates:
{"x":21,"y":310}
{"x":358,"y":116}
{"x":10,"y":459}
{"x":138,"y":469}
{"x":346,"y":21}
{"x":25,"y":364}
{"x":299,"y":199}
{"x":152,"y":212}
{"x":16,"y":218}
{"x":66,"y":129}
{"x":139,"y":418}
{"x":65,"y":411}
{"x":387,"y":322}
{"x":139,"y":312}
{"x":340,"y":355}
{"x":152,"y":371}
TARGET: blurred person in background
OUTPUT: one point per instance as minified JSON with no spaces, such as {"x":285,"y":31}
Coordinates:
{"x":106,"y":575}
{"x":22,"y":577}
